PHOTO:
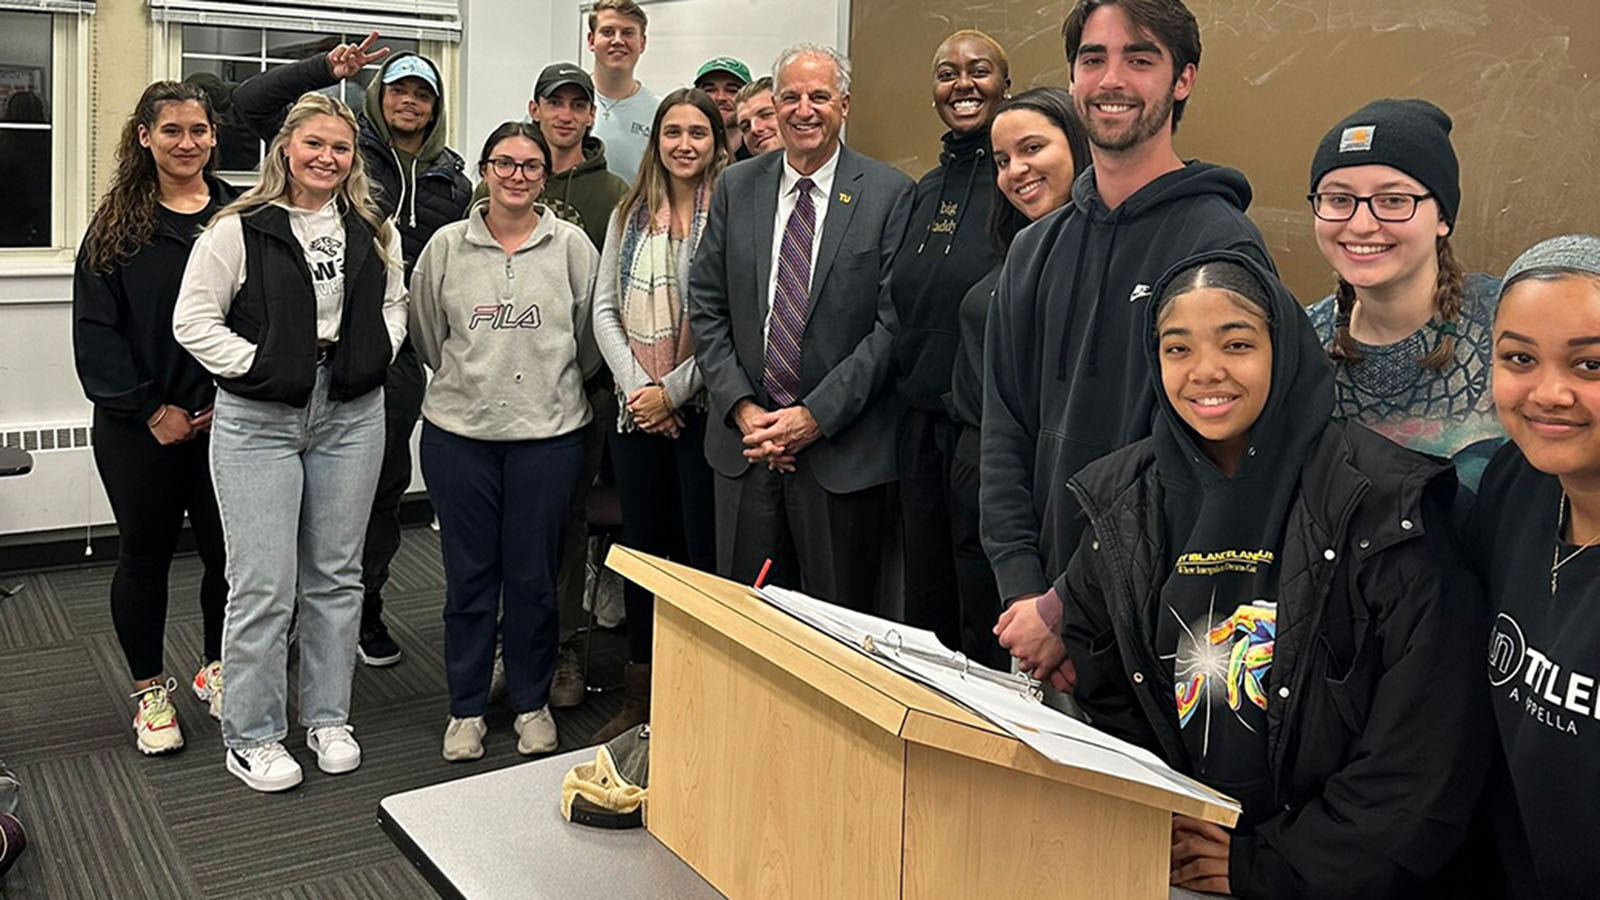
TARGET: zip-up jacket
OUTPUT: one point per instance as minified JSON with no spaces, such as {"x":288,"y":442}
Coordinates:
{"x":946,"y":249}
{"x":420,"y":193}
{"x":276,"y":309}
{"x":1066,"y":380}
{"x":127,"y":359}
{"x":1377,"y":730}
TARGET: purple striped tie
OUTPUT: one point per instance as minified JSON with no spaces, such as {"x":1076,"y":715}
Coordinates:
{"x":789,"y":301}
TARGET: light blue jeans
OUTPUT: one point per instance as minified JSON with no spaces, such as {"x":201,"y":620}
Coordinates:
{"x":294,"y":487}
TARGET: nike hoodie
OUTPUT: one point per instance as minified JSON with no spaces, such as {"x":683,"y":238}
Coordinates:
{"x":1066,"y":380}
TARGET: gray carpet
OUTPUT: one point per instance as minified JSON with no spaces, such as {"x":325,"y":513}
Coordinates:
{"x":105,"y":822}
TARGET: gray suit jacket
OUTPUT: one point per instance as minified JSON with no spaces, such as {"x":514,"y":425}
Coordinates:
{"x":845,"y":351}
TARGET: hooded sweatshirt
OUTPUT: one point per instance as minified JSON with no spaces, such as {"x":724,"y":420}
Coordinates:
{"x":585,"y":195}
{"x":422,"y":193}
{"x":1066,"y":379}
{"x":947,"y":248}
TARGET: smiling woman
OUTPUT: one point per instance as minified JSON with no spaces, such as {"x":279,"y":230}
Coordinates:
{"x":946,"y":250}
{"x":1536,"y":528}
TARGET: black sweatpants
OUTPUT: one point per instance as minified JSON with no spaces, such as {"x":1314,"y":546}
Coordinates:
{"x":927,"y":444}
{"x":664,"y":485}
{"x":980,"y":596}
{"x":402,"y":406}
{"x":150,"y":488}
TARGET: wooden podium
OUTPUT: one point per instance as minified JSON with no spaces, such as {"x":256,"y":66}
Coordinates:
{"x":785,"y":764}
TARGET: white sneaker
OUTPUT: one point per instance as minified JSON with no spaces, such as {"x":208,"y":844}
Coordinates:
{"x":207,"y":686}
{"x":463,"y":738}
{"x":336,"y":748}
{"x":155,"y":722}
{"x":536,"y":732}
{"x":268,"y":768}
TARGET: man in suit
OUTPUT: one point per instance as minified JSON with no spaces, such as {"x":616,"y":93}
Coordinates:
{"x":792,"y":320}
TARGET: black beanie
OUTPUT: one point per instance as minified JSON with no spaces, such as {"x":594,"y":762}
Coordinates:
{"x":1410,"y":135}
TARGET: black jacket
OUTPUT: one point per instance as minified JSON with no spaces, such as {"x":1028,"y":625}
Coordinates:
{"x":441,"y":192}
{"x":1378,"y":738}
{"x":946,"y":249}
{"x":276,"y":309}
{"x":1065,"y":377}
{"x":127,"y":359}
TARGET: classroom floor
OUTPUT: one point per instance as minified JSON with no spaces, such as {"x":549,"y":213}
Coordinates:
{"x":105,"y":822}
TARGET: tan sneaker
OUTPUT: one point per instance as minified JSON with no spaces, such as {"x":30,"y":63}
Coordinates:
{"x":155,"y":724}
{"x":208,"y":688}
{"x":463,"y":738}
{"x":536,"y":732}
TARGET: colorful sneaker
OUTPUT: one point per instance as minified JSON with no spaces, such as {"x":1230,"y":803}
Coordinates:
{"x":336,"y":748}
{"x":208,"y":687}
{"x":155,"y":724}
{"x":536,"y":732}
{"x":463,"y":738}
{"x":268,"y":768}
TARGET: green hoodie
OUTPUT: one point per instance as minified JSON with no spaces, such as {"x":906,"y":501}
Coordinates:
{"x":584,"y":195}
{"x":433,"y":140}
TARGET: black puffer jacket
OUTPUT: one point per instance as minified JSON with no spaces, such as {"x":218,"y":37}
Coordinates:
{"x":1376,"y":730}
{"x":441,"y":191}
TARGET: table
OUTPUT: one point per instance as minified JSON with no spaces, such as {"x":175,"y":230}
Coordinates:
{"x":14,"y":461}
{"x":501,"y":835}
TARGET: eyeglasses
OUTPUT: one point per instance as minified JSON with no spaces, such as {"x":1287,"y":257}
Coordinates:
{"x":505,"y":167}
{"x":1341,"y":207}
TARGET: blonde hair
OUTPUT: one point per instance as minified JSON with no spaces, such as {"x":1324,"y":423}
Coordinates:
{"x":354,"y":193}
{"x":1000,"y":59}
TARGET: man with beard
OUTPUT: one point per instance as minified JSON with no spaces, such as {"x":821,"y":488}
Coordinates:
{"x":721,"y":79}
{"x":1066,"y":379}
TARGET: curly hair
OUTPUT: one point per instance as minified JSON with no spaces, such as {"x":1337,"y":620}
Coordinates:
{"x":126,"y":217}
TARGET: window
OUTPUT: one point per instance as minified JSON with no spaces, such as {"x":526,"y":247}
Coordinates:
{"x":27,"y":159}
{"x":219,"y":58}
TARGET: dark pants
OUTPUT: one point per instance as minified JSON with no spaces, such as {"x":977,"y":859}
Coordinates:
{"x":573,"y":576}
{"x":502,"y":508}
{"x":980,"y":596}
{"x":825,"y":544}
{"x":927,"y":444}
{"x":402,"y":406}
{"x":150,"y":488}
{"x":665,"y":489}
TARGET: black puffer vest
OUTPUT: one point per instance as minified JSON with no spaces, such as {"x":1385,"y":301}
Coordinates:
{"x":276,"y":310}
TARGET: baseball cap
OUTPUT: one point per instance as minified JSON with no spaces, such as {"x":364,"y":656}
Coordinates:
{"x":725,"y":64}
{"x":557,"y":74}
{"x":411,"y":66}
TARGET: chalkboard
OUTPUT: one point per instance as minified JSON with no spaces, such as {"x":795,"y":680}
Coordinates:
{"x":1518,"y":77}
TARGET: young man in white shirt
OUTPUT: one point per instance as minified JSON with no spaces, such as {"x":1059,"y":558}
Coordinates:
{"x":624,"y":107}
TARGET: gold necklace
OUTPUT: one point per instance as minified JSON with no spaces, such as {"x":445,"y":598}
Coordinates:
{"x":1556,"y":562}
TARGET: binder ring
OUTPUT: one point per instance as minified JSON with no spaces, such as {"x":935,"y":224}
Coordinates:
{"x":965,"y":663}
{"x":899,"y":642}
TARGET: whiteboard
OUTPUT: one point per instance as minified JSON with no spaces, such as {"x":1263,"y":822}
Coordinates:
{"x":685,"y":33}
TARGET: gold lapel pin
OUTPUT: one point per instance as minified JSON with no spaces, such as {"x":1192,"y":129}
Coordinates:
{"x":843,"y":197}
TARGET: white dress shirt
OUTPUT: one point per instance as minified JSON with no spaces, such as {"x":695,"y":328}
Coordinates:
{"x":821,"y":190}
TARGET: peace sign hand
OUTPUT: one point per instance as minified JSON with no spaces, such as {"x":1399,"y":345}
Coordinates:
{"x":346,"y":60}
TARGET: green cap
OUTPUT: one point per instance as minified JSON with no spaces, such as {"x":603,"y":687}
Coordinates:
{"x":724,"y":64}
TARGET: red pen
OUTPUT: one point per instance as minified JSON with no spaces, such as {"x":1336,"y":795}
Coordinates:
{"x":765,"y":567}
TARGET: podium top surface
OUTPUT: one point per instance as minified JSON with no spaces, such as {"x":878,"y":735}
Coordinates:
{"x":889,"y":700}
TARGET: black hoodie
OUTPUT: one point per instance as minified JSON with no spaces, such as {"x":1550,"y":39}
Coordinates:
{"x":128,"y":361}
{"x":1066,"y":380}
{"x":1357,"y":673}
{"x":947,"y":248}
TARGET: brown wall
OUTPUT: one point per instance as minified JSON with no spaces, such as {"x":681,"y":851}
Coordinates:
{"x":1519,"y":78}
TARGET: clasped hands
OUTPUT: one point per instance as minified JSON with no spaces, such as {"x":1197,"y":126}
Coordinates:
{"x":775,"y":437}
{"x":653,"y":412}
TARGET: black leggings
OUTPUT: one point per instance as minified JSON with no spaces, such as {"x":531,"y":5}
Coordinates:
{"x":664,"y":486}
{"x":150,"y":488}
